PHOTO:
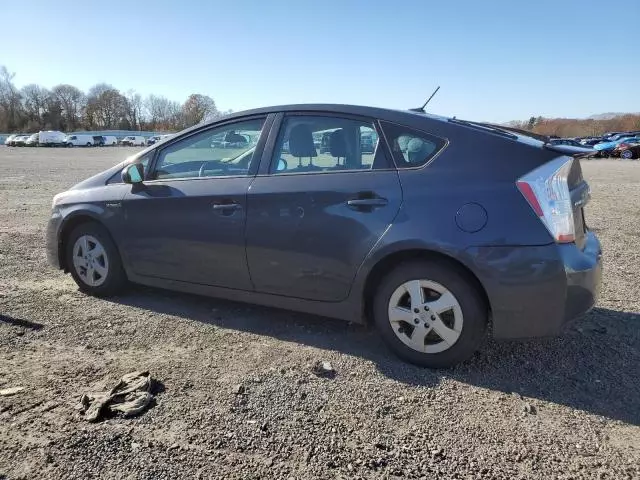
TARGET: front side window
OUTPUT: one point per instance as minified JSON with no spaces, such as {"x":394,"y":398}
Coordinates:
{"x":220,"y":151}
{"x":318,"y":144}
{"x":411,"y":148}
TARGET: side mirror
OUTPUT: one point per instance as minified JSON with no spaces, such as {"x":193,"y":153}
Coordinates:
{"x":133,"y":173}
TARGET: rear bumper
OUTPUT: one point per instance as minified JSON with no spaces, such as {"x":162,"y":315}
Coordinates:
{"x":534,"y":291}
{"x":52,"y":240}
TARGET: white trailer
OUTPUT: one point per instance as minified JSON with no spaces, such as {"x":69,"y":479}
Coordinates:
{"x":51,"y":138}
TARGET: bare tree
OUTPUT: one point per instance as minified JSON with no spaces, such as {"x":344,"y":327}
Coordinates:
{"x":198,"y":108}
{"x":134,"y":109}
{"x":9,"y":101}
{"x":72,"y":102}
{"x":162,"y":113}
{"x":34,"y":100}
{"x":106,"y":108}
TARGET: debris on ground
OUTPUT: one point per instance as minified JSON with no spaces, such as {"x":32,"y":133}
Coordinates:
{"x":530,"y":409}
{"x":131,"y":395}
{"x":239,"y":389}
{"x":7,"y":392}
{"x":323,"y":369}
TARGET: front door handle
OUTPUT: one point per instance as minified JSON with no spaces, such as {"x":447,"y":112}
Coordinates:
{"x":368,"y":202}
{"x":226,"y":206}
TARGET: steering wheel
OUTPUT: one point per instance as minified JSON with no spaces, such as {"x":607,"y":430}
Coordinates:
{"x":204,"y":164}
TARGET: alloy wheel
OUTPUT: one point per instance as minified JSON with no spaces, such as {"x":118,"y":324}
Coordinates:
{"x":425,"y":316}
{"x":90,"y":260}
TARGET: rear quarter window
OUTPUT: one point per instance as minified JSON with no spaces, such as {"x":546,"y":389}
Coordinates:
{"x":411,"y":148}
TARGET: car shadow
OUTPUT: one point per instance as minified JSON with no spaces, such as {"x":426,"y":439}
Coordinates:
{"x":592,"y":366}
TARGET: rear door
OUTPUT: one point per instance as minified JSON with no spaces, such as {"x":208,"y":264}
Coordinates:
{"x":187,"y":221}
{"x":318,"y":207}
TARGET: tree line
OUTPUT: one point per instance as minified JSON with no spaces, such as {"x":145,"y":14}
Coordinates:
{"x":67,"y":108}
{"x":580,"y":127}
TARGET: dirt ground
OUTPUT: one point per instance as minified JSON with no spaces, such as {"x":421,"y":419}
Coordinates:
{"x":238,"y":399}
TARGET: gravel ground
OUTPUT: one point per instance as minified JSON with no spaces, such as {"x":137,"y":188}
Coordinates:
{"x":238,"y":398}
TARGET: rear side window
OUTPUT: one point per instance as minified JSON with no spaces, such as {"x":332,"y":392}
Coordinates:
{"x":325,"y":143}
{"x":411,"y":148}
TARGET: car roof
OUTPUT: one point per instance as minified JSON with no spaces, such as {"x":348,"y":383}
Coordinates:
{"x":367,"y":111}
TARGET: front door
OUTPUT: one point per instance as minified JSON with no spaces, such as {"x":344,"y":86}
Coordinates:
{"x":186,"y":221}
{"x":327,"y":197}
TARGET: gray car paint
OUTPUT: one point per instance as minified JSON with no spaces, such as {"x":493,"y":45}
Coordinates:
{"x":322,"y":261}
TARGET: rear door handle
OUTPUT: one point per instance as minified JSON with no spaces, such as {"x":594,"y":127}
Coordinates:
{"x":368,"y":202}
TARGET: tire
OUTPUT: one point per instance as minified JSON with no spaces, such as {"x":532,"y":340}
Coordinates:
{"x":626,"y":154}
{"x":466,"y":319}
{"x":104,"y":284}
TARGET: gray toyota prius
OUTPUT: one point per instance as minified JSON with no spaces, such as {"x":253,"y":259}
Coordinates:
{"x":431,"y":228}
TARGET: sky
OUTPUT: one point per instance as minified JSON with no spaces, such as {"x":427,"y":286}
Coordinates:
{"x":494,"y":60}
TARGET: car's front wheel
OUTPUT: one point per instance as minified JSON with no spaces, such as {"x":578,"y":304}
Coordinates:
{"x":93,"y":260}
{"x":430,"y":313}
{"x":627,"y":154}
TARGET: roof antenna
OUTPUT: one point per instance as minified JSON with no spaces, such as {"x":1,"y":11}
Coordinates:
{"x":421,"y":109}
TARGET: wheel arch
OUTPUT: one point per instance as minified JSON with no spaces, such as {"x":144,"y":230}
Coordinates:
{"x":390,"y":261}
{"x":72,"y":221}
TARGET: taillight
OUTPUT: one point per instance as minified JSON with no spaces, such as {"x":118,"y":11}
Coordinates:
{"x":547,"y":190}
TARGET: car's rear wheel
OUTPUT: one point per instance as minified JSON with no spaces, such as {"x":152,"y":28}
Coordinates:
{"x":94,"y":261}
{"x":627,"y":154}
{"x":430,"y":313}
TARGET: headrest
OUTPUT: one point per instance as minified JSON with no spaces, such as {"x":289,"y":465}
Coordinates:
{"x":234,"y":137}
{"x":338,"y":144}
{"x":301,"y":142}
{"x":418,"y":150}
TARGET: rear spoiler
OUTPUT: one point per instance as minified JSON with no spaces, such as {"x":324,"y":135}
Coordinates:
{"x":575,"y":152}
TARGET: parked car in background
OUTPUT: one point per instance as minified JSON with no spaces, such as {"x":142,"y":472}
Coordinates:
{"x":349,"y":235}
{"x":591,"y":141}
{"x":9,"y":140}
{"x":79,"y":141}
{"x":628,"y":149}
{"x":605,"y":149}
{"x":110,"y":141}
{"x":606,"y":136}
{"x":32,"y":140}
{"x":567,"y":141}
{"x":367,"y":145}
{"x":153,"y":140}
{"x":235,"y":140}
{"x":52,"y":138}
{"x":20,"y":140}
{"x":325,"y":142}
{"x":98,"y":141}
{"x":133,"y":141}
